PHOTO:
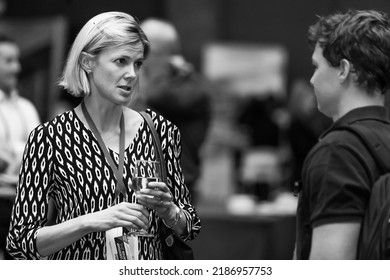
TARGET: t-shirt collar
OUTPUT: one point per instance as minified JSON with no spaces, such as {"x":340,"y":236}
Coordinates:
{"x":378,"y":113}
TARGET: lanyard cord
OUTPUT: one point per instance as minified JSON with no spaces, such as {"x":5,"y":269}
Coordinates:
{"x":120,"y":186}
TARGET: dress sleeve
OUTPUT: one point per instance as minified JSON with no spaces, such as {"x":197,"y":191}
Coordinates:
{"x":171,"y":146}
{"x":30,"y":209}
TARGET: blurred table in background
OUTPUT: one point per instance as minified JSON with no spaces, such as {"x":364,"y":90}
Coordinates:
{"x":261,"y":235}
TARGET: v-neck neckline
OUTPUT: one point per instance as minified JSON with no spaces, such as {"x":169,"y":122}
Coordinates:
{"x":131,"y":143}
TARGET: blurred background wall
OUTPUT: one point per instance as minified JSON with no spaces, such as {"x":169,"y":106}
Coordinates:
{"x":201,"y":21}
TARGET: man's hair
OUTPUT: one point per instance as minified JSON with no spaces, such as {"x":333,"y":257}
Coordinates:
{"x":362,"y":38}
{"x":109,"y":29}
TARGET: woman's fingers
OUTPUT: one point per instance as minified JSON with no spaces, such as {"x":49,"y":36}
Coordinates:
{"x":152,"y":202}
{"x":158,"y":197}
{"x":157,"y":191}
{"x":131,"y":214}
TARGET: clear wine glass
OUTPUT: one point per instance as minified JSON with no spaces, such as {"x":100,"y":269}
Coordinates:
{"x":145,"y":171}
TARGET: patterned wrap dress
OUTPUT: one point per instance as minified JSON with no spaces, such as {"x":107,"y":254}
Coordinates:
{"x":63,"y":161}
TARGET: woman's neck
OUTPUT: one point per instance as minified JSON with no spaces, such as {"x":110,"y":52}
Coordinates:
{"x":106,"y":116}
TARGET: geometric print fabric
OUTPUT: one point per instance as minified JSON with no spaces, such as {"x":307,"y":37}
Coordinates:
{"x":63,"y":162}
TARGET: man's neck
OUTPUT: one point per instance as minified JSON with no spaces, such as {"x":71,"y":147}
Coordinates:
{"x":5,"y":94}
{"x":357,"y":99}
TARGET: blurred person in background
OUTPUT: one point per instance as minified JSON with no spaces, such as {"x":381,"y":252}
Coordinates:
{"x":351,"y":76}
{"x":170,"y":85}
{"x":65,"y":163}
{"x":18,"y":117}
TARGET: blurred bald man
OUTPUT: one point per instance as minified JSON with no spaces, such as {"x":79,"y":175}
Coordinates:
{"x":170,"y":85}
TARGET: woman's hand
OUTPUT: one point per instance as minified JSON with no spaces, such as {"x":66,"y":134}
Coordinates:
{"x":158,"y":197}
{"x":124,"y":214}
{"x":52,"y":238}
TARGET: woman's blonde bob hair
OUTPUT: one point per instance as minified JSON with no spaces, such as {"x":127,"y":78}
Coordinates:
{"x":105,"y":30}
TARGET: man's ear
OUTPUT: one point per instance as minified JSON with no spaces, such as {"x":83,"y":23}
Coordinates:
{"x":86,"y":62}
{"x":345,"y":69}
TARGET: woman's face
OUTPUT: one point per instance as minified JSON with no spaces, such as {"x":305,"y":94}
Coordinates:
{"x":115,"y":73}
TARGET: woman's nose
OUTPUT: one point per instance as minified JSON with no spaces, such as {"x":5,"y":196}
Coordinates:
{"x":130,"y":72}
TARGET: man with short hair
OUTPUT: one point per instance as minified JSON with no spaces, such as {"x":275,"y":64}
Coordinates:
{"x":351,"y":62}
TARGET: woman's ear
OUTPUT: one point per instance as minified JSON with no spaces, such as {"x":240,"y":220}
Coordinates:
{"x":345,"y":69}
{"x":86,"y":62}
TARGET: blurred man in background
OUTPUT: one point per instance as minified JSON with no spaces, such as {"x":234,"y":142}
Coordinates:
{"x":170,"y":86}
{"x":18,"y":117}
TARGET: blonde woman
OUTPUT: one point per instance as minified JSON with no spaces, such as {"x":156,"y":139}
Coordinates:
{"x":64,"y":162}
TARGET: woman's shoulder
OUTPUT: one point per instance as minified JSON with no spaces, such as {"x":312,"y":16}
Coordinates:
{"x":66,"y":116}
{"x":164,"y":127}
{"x":159,"y":119}
{"x":67,"y":120}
